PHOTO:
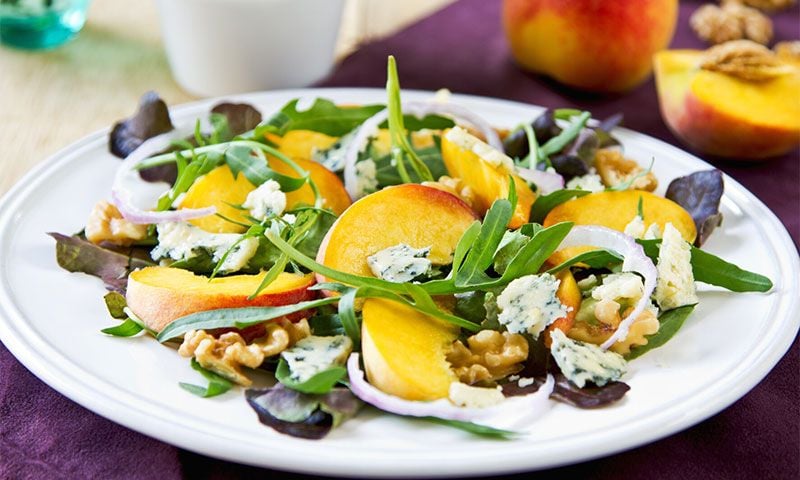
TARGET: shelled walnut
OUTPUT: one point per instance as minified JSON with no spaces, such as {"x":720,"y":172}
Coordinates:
{"x":106,"y":224}
{"x":488,"y":356}
{"x":731,"y":21}
{"x":227,"y":354}
{"x":615,"y":169}
{"x":745,"y":60}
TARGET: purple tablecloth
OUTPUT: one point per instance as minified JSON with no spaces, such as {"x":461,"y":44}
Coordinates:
{"x":44,"y":435}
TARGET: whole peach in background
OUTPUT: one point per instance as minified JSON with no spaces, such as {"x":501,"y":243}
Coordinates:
{"x":597,"y":45}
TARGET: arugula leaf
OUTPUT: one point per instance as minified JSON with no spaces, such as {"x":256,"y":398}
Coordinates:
{"x":473,"y":428}
{"x":388,"y":175}
{"x":347,"y":315}
{"x":128,"y":328}
{"x":671,"y":321}
{"x":481,"y":254}
{"x":326,"y":325}
{"x":322,"y":382}
{"x":557,"y":143}
{"x":217,"y":385}
{"x":593,"y":258}
{"x":531,"y":257}
{"x":235,"y":317}
{"x":710,"y":269}
{"x":428,"y":122}
{"x":323,"y":116}
{"x":543,"y":204}
{"x":240,"y":159}
{"x":511,"y":243}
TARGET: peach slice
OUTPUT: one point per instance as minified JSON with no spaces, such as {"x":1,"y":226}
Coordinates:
{"x":570,"y":295}
{"x":413,"y":214}
{"x":615,"y":210}
{"x":220,"y":189}
{"x":159,"y":295}
{"x":334,"y":195}
{"x":404,"y":350}
{"x":302,"y":143}
{"x":723,"y":115}
{"x":487,"y":180}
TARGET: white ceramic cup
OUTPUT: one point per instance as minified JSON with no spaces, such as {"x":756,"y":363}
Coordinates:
{"x":221,"y":47}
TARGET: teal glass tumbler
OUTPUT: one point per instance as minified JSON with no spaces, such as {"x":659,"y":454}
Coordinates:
{"x":40,"y":24}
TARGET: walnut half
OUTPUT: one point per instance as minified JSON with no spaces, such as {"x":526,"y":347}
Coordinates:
{"x":745,"y":60}
{"x":488,"y":356}
{"x":731,"y":21}
{"x":615,"y":169}
{"x":227,"y":354}
{"x":106,"y":224}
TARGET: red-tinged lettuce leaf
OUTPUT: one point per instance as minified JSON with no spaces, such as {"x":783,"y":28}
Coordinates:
{"x":566,"y":392}
{"x":699,"y":194}
{"x":78,"y":255}
{"x":301,"y":415}
{"x":151,"y":119}
{"x":241,"y":117}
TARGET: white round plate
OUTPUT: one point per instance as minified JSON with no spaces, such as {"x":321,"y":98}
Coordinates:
{"x":50,"y":320}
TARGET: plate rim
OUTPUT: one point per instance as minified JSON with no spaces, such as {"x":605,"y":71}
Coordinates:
{"x":62,"y":380}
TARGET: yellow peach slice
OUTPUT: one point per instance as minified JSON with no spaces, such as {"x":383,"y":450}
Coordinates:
{"x":302,"y":143}
{"x":570,"y":295}
{"x":334,"y":195}
{"x":615,"y":210}
{"x":159,"y":295}
{"x":487,"y":180}
{"x":413,"y":214}
{"x":218,"y":188}
{"x":404,"y":350}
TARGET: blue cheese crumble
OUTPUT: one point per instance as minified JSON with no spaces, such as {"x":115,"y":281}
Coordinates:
{"x":314,"y":354}
{"x":636,"y":229}
{"x":675,"y":285}
{"x":266,"y":201}
{"x":590,"y":182}
{"x":529,"y":304}
{"x":400,"y":263}
{"x":182,"y":241}
{"x":618,"y":286}
{"x":583,"y":362}
{"x":467,"y":396}
{"x":333,"y":158}
{"x":366,"y":177}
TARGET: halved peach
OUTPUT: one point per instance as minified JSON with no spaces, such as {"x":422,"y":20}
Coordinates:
{"x":404,"y":350}
{"x":413,"y":214}
{"x":159,"y":295}
{"x":488,"y":181}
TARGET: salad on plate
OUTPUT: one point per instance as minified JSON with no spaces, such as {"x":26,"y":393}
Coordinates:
{"x":409,"y":256}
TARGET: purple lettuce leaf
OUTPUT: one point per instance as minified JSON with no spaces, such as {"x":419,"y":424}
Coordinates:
{"x":699,"y":194}
{"x":151,"y":119}
{"x":566,"y":392}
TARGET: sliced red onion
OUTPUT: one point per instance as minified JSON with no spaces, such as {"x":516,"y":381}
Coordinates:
{"x":513,"y":411}
{"x":548,"y":182}
{"x":134,"y":196}
{"x":635,"y":260}
{"x":419,"y":109}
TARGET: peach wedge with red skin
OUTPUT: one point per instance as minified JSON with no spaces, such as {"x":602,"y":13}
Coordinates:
{"x":404,"y":350}
{"x":416,"y":215}
{"x":160,"y":295}
{"x":725,"y":116}
{"x":589,"y":44}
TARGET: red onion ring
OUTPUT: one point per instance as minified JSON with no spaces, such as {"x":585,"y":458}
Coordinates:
{"x":635,"y":260}
{"x":122,"y":196}
{"x":548,"y":182}
{"x":512,"y":412}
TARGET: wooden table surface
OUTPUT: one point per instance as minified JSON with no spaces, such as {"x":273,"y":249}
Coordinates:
{"x":50,"y":99}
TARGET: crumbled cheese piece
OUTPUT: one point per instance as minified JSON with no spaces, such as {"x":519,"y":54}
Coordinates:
{"x":591,"y":182}
{"x":314,"y":354}
{"x":653,"y":232}
{"x":675,"y":286}
{"x":587,"y":283}
{"x":466,"y":141}
{"x":636,"y":229}
{"x":333,"y":158}
{"x":182,"y":241}
{"x":463,"y":395}
{"x":528,"y":304}
{"x":513,"y":378}
{"x":617,"y":286}
{"x":442,"y":96}
{"x":583,"y":362}
{"x":289,"y":218}
{"x":366,"y":177}
{"x":266,"y":201}
{"x":525,"y":382}
{"x":400,"y":263}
